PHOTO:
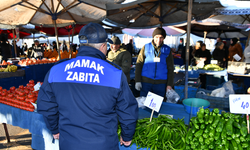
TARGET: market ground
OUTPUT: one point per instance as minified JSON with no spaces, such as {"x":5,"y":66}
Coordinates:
{"x":20,"y":139}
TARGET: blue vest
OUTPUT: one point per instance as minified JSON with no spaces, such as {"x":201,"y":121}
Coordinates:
{"x":155,"y":70}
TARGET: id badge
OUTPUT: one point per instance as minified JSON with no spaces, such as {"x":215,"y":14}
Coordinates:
{"x":157,"y":59}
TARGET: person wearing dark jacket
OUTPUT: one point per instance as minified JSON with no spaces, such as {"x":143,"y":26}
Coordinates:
{"x":219,"y":54}
{"x":234,"y":48}
{"x":5,"y":48}
{"x":83,"y":98}
{"x":120,"y":56}
{"x":203,"y":54}
{"x":38,"y":50}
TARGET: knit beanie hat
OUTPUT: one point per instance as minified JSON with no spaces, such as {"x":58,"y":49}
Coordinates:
{"x":116,"y":40}
{"x":159,"y":31}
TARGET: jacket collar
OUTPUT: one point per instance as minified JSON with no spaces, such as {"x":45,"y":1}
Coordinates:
{"x":90,"y":51}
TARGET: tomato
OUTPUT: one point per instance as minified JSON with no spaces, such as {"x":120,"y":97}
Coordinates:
{"x":4,"y":90}
{"x":10,"y":95}
{"x":22,"y":98}
{"x":31,"y":81}
{"x":4,"y":93}
{"x":1,"y":88}
{"x":33,"y":100}
{"x":30,"y":95}
{"x":21,"y":86}
{"x":32,"y":88}
{"x":31,"y":106}
{"x":21,"y":93}
{"x":12,"y":88}
{"x":32,"y":84}
{"x":26,"y":91}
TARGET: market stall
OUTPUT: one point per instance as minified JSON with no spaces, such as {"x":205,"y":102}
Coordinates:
{"x":41,"y":136}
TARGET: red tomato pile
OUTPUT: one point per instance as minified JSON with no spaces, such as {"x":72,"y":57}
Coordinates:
{"x":20,"y":97}
{"x":33,"y":61}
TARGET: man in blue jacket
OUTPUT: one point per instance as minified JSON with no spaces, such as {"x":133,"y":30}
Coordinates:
{"x":83,"y":98}
{"x":155,"y":66}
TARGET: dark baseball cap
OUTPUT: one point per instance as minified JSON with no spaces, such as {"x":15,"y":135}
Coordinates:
{"x":93,"y":33}
{"x":116,"y":40}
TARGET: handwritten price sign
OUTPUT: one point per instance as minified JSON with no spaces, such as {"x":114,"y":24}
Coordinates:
{"x":239,"y":103}
{"x":153,"y":101}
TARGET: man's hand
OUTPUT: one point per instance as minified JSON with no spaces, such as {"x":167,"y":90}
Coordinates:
{"x":126,"y":143}
{"x":138,"y":86}
{"x":56,"y":136}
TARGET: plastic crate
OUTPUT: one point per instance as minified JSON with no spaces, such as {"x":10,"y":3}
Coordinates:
{"x":215,"y":102}
{"x":214,"y":80}
{"x":238,"y":89}
{"x":180,"y":89}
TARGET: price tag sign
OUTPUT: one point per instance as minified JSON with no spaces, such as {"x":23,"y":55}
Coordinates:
{"x":214,"y":62}
{"x":153,"y":101}
{"x":239,"y":103}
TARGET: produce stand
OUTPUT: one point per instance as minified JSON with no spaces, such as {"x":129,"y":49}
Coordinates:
{"x":42,"y":137}
{"x":18,"y":73}
{"x":23,"y":75}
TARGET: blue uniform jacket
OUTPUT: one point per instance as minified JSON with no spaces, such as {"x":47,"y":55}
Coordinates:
{"x":83,"y":98}
{"x":155,"y":70}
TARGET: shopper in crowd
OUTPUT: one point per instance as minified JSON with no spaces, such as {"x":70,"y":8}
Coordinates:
{"x":54,"y":46}
{"x":24,"y":48}
{"x":5,"y":48}
{"x":64,"y":46}
{"x":203,"y":54}
{"x":234,"y":48}
{"x":197,"y":47}
{"x":83,"y":98}
{"x":180,"y":47}
{"x":204,"y":57}
{"x":120,"y":56}
{"x":38,"y":50}
{"x":219,"y":54}
{"x":46,"y":46}
{"x":155,"y":66}
{"x":130,"y":47}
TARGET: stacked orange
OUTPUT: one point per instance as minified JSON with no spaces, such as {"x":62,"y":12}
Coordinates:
{"x":47,"y":53}
{"x":74,"y":54}
{"x":53,"y":54}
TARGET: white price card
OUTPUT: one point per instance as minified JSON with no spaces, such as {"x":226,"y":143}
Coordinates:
{"x":239,"y":103}
{"x":214,"y":62}
{"x":153,"y":101}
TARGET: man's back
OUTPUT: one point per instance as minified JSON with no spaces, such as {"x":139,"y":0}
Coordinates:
{"x":89,"y":93}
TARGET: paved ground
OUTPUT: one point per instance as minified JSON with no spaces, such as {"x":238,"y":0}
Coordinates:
{"x":20,"y":139}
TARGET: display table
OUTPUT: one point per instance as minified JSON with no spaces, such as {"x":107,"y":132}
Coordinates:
{"x":22,"y":76}
{"x":18,"y":73}
{"x":42,"y":137}
{"x":196,"y":73}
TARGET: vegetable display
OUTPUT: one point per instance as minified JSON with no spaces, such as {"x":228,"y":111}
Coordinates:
{"x":212,"y":67}
{"x":212,"y":130}
{"x":162,"y":133}
{"x":9,"y":68}
{"x":21,"y":97}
